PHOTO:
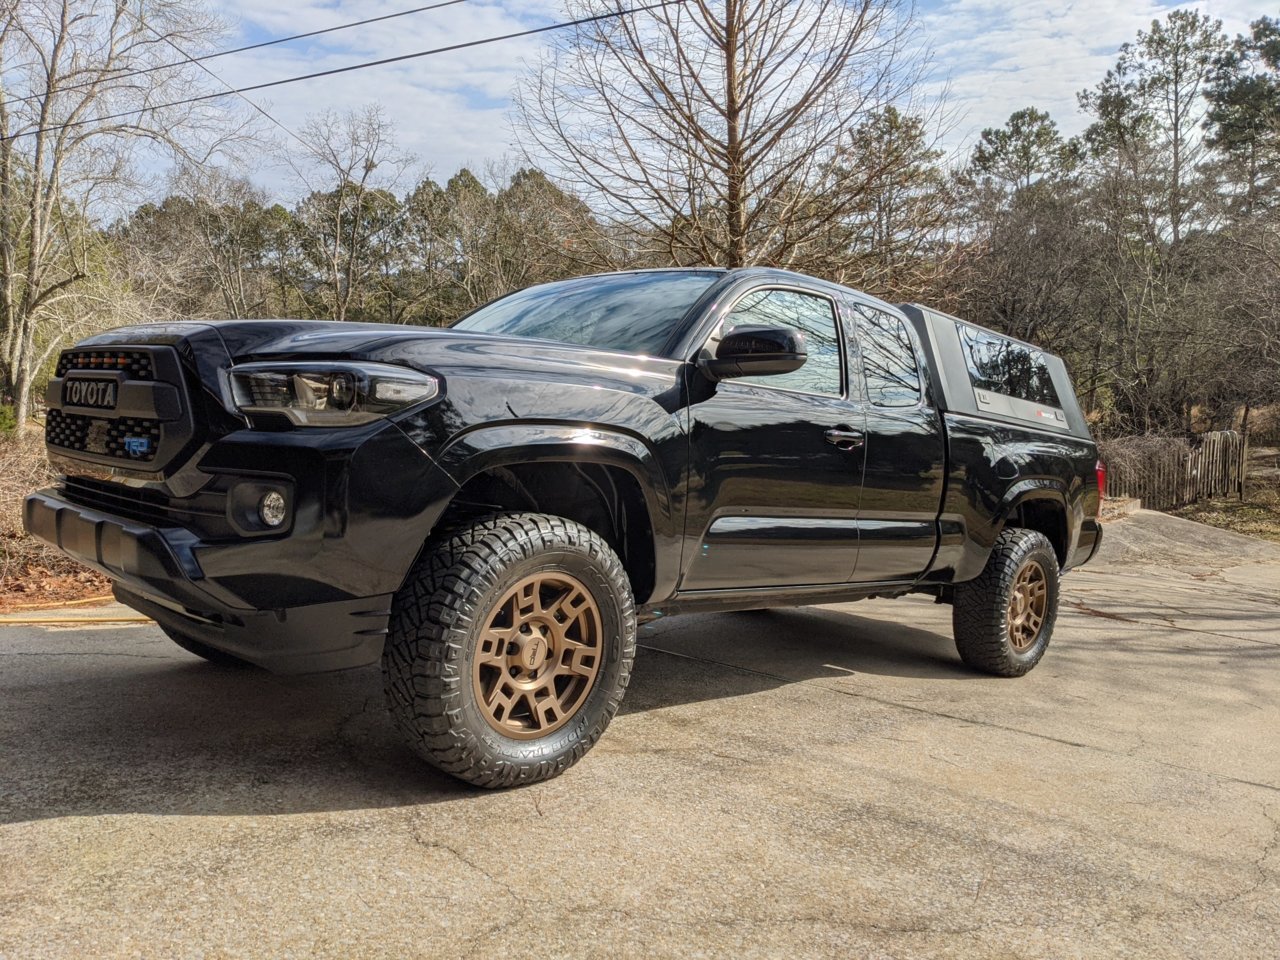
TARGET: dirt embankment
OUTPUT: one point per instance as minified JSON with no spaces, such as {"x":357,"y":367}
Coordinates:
{"x":31,"y":574}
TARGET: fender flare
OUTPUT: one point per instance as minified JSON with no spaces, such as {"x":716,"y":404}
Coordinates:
{"x":1034,"y":490}
{"x":488,"y":447}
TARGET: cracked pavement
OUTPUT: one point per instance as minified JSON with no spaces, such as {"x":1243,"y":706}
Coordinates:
{"x":821,"y":782}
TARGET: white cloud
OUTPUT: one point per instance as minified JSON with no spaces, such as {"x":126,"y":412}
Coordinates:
{"x":451,"y":110}
{"x":998,"y":56}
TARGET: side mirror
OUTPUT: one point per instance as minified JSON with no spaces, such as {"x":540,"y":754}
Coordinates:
{"x":753,"y":350}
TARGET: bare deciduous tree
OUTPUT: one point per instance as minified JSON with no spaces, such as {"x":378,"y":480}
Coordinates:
{"x":352,"y":165}
{"x":232,"y":223}
{"x":714,"y":127}
{"x":72,"y":73}
{"x":207,"y":249}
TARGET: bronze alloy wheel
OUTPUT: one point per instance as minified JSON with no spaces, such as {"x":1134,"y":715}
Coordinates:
{"x":510,"y":647}
{"x":1027,"y":604}
{"x":1003,"y":618}
{"x":538,"y":656}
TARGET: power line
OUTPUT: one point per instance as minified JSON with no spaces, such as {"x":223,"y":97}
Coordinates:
{"x":253,"y":46}
{"x":336,"y":70}
{"x":341,"y":26}
{"x":230,"y":89}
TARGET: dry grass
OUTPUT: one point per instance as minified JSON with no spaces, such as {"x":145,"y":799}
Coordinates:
{"x":1257,"y":515}
{"x":30,"y":572}
{"x":1132,"y":454}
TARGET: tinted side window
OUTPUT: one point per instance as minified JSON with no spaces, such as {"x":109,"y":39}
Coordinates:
{"x":888,"y":358}
{"x":1005,"y":367}
{"x":811,"y":315}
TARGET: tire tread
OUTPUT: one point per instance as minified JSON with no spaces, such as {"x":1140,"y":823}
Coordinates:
{"x":431,"y":619}
{"x":980,"y":606}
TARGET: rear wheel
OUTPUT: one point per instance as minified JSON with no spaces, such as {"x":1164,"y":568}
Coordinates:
{"x":510,"y":648}
{"x":1003,"y":620}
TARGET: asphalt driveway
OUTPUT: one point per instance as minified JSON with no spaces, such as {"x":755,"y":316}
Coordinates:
{"x":817,"y":782}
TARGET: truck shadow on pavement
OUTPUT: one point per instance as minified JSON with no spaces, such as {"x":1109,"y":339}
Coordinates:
{"x":127,"y":723}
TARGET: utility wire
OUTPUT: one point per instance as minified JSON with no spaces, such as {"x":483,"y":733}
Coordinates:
{"x":337,"y":70}
{"x":230,"y":89}
{"x":253,"y":46}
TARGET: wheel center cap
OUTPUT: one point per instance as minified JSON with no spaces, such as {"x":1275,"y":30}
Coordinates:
{"x":533,"y":652}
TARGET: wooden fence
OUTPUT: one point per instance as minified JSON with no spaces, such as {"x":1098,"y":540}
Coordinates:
{"x":1166,"y":473}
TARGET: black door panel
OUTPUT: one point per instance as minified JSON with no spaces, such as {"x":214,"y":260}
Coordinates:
{"x":776,"y":462}
{"x":742,"y":549}
{"x":779,"y":503}
{"x":901,"y":494}
{"x":905,"y":451}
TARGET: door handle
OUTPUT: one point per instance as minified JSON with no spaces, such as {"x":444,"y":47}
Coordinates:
{"x":843,"y":438}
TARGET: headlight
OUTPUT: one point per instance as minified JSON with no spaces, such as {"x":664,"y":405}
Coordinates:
{"x":329,"y":394}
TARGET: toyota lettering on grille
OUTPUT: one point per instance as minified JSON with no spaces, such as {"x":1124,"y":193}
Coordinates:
{"x":98,"y":394}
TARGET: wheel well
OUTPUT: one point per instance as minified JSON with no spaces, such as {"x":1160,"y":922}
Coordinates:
{"x":1047,"y":517}
{"x":607,"y":500}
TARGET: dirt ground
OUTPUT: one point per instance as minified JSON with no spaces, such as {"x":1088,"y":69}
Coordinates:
{"x":822,"y":782}
{"x":1258,"y":514}
{"x":32,"y":574}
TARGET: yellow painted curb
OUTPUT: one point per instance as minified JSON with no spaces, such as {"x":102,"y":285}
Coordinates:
{"x":52,"y":621}
{"x":55,"y":604}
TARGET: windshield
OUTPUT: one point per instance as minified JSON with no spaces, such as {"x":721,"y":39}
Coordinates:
{"x":631,"y":312}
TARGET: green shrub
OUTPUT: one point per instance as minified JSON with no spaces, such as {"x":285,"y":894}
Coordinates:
{"x":8,"y":422}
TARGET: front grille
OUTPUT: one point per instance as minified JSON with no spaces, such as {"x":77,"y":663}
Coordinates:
{"x":73,"y":431}
{"x":150,"y":421}
{"x":66,"y":430}
{"x":136,"y":364}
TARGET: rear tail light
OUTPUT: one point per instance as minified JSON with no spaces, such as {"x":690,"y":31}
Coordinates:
{"x":1101,"y":469}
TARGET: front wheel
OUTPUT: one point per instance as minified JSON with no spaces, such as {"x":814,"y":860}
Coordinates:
{"x":1003,"y":620}
{"x":510,"y":648}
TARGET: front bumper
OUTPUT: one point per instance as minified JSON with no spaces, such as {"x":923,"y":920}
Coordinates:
{"x":312,"y":639}
{"x":156,"y":573}
{"x":314,"y":597}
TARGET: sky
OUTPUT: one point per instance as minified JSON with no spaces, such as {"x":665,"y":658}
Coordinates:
{"x":451,"y":110}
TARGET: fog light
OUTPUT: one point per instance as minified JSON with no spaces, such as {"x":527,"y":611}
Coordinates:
{"x":272,"y":508}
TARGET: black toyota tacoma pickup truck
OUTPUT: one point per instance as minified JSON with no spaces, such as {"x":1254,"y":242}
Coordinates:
{"x":490,"y":509}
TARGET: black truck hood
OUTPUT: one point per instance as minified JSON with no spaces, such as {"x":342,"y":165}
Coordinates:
{"x":211,"y":345}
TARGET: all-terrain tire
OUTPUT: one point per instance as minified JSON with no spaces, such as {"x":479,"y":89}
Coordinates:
{"x":440,"y":641}
{"x":191,"y":645}
{"x":984,"y":607}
